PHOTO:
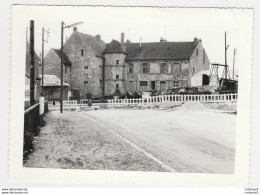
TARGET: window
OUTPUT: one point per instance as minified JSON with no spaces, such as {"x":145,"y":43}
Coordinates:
{"x":131,"y":68}
{"x":100,"y":83}
{"x":143,"y":83}
{"x":176,"y":68}
{"x":193,"y":70}
{"x":66,"y":69}
{"x":117,"y":86}
{"x":131,"y":86}
{"x":50,"y":92}
{"x":86,"y":70}
{"x":117,"y":62}
{"x":85,"y":83}
{"x":162,"y":85}
{"x":175,"y":84}
{"x":197,"y":52}
{"x":117,"y":76}
{"x":163,"y":68}
{"x":82,"y":52}
{"x":145,"y":68}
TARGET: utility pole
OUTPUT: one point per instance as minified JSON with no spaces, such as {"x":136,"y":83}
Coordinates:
{"x":32,"y":76}
{"x":61,"y":63}
{"x":226,"y":48}
{"x":234,"y":63}
{"x":43,"y":40}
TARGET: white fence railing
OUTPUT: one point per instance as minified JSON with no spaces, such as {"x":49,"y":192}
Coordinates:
{"x":67,"y":104}
{"x":174,"y":98}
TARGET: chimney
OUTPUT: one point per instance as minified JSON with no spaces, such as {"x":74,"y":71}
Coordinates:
{"x":75,"y":29}
{"x":98,"y":37}
{"x":128,"y":41}
{"x":140,"y":43}
{"x":196,"y":40}
{"x":122,"y":38}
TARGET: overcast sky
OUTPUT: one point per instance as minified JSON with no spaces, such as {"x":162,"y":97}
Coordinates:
{"x":174,"y":24}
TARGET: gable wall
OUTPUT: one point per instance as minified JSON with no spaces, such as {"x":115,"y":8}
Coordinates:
{"x":72,"y":48}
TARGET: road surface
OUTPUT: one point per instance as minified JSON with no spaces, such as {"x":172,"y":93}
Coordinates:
{"x":141,"y":140}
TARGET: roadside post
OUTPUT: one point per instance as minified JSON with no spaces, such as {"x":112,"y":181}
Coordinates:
{"x":41,"y":109}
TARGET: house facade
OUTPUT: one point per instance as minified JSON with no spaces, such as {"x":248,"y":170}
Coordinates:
{"x":99,"y":69}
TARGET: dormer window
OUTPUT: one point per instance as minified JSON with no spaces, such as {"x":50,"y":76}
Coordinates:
{"x":82,"y":52}
{"x":117,"y":62}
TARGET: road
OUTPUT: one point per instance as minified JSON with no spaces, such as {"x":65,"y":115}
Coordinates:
{"x":187,"y":141}
{"x":141,"y":140}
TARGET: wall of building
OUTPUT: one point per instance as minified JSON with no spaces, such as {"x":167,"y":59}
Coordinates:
{"x":175,"y":71}
{"x":52,"y":66}
{"x":86,"y":71}
{"x":199,"y":61}
{"x":53,"y":93}
{"x":112,"y":70}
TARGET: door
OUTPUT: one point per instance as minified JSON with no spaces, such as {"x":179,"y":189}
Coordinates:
{"x":205,"y":79}
{"x":153,"y":85}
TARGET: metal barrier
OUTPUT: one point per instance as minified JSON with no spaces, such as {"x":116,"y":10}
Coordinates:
{"x":32,"y":121}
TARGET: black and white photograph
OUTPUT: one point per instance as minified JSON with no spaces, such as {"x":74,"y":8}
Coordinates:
{"x":134,"y":89}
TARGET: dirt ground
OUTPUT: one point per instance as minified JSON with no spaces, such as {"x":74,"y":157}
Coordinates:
{"x":182,"y":139}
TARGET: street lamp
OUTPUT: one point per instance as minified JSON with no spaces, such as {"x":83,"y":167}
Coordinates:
{"x":63,"y":26}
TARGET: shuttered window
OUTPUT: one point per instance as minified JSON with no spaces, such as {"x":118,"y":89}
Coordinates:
{"x":145,"y":68}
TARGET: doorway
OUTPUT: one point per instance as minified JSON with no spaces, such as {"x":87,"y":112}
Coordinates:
{"x":153,"y":85}
{"x":205,"y":79}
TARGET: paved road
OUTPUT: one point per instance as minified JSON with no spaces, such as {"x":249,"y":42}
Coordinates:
{"x":202,"y":147}
{"x":72,"y":141}
{"x":138,"y":140}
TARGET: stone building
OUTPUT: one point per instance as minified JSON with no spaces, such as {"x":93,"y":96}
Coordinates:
{"x":98,"y":68}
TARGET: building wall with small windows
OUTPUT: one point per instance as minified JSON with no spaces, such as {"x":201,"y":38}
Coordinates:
{"x":115,"y":73}
{"x":99,"y":69}
{"x":86,"y":73}
{"x":156,"y":75}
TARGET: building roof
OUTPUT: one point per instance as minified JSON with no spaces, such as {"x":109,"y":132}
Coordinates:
{"x":52,"y":80}
{"x":114,"y":47}
{"x":160,"y":50}
{"x":65,"y":58}
{"x":95,"y":43}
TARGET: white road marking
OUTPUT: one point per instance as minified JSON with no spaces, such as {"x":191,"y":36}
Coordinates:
{"x":133,"y":145}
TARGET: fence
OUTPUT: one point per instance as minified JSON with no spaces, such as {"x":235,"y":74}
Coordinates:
{"x":67,"y":104}
{"x":32,"y":121}
{"x":175,"y":98}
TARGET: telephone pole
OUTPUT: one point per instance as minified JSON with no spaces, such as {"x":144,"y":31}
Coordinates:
{"x":235,"y":50}
{"x":226,"y":48}
{"x":43,"y":40}
{"x":32,"y":76}
{"x":61,"y":63}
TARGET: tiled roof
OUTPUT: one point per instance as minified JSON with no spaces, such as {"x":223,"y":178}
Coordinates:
{"x":114,"y":47}
{"x":97,"y":45}
{"x":160,"y":50}
{"x":52,"y":80}
{"x":65,"y":58}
